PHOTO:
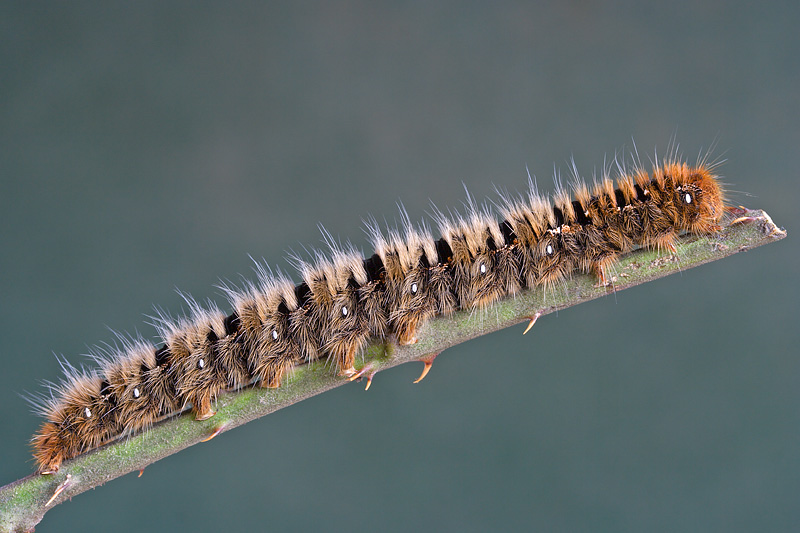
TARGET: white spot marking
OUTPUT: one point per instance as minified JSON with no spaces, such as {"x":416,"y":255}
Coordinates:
{"x":136,"y":392}
{"x":687,"y":198}
{"x":414,"y":288}
{"x":549,"y":249}
{"x":201,"y":363}
{"x":87,"y":412}
{"x":344,"y":311}
{"x":483,"y":268}
{"x":274,"y":335}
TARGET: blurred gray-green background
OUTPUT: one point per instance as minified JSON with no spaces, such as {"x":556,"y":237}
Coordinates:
{"x":154,"y":146}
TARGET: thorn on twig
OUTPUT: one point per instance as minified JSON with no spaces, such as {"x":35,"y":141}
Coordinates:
{"x":428,"y":364}
{"x":369,"y":380}
{"x":532,"y":321}
{"x":743,"y":220}
{"x":61,"y":488}
{"x":217,"y":431}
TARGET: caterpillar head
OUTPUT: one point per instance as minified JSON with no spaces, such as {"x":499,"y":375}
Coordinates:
{"x":699,"y":201}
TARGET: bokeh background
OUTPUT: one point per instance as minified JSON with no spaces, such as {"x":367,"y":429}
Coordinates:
{"x":154,"y":146}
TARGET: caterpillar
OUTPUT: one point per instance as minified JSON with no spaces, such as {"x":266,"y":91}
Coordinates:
{"x":344,"y":299}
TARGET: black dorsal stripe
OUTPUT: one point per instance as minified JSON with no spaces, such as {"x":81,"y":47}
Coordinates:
{"x":559,"y":216}
{"x":283,"y":308}
{"x":232,"y":323}
{"x":620,"y":198}
{"x":106,"y":393}
{"x":490,"y":244}
{"x":161,"y":356}
{"x":303,"y":294}
{"x":640,"y":195}
{"x":580,"y":213}
{"x":424,"y":262}
{"x":444,"y":251}
{"x":374,"y":267}
{"x":508,"y":232}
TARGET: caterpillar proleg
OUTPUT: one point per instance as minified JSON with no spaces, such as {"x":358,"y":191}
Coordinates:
{"x":344,"y":298}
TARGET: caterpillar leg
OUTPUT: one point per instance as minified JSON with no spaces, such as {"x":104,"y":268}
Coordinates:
{"x":600,"y":268}
{"x":406,"y":330}
{"x":345,"y":362}
{"x":666,"y":242}
{"x":407,"y":339}
{"x":358,"y":374}
{"x":271,"y":370}
{"x":205,"y":414}
{"x":343,"y":351}
{"x":349,"y":372}
{"x":202,"y":408}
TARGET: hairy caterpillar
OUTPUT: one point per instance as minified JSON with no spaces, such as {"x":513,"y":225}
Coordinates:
{"x":344,"y":299}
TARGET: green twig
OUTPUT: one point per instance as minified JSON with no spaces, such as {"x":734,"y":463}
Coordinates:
{"x":24,"y":502}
